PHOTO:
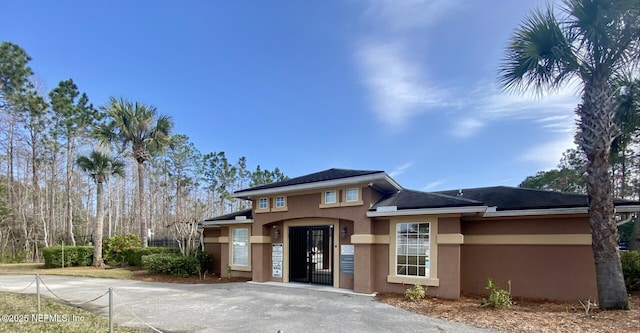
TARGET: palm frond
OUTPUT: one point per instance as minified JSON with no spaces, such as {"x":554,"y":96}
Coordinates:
{"x":539,"y":55}
{"x":607,"y":34}
{"x":100,"y":166}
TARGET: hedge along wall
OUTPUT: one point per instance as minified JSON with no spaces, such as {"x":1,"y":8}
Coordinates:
{"x":73,"y":256}
{"x":133,"y":256}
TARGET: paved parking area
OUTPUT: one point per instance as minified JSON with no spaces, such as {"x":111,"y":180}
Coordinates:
{"x":234,"y":307}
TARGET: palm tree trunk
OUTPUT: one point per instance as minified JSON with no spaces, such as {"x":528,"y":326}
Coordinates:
{"x":97,"y":235}
{"x":142,"y":206}
{"x":597,"y":126}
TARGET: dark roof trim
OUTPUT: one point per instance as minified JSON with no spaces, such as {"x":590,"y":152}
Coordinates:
{"x":240,"y":216}
{"x":324,"y":179}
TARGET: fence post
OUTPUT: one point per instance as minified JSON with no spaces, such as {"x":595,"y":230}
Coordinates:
{"x":110,"y":310}
{"x":38,"y":291}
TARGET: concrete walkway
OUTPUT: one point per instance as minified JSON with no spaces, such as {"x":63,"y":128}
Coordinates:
{"x":233,"y":307}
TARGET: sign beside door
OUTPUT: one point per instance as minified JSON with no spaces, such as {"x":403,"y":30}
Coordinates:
{"x":346,"y":259}
{"x":276,"y":259}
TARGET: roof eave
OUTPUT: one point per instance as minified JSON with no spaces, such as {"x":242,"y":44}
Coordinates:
{"x":214,"y":224}
{"x":321,"y":184}
{"x":429,"y":211}
{"x":554,"y":211}
{"x":536,"y":212}
{"x":628,"y":209}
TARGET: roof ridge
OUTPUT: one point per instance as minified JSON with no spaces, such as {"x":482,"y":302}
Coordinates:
{"x":450,"y":196}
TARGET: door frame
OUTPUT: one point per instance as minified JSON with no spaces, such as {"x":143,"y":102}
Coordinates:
{"x":305,"y":242}
{"x":310,"y":222}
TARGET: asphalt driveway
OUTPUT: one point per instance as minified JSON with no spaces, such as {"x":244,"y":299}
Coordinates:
{"x":233,"y":307}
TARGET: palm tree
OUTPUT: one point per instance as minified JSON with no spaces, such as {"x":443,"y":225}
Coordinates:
{"x":593,"y":42}
{"x":99,"y":166}
{"x":140,"y":126}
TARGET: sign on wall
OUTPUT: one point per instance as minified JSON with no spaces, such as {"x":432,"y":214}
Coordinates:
{"x":276,"y":259}
{"x":346,"y":259}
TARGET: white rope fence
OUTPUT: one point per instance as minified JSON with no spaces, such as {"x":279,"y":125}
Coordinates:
{"x":136,"y":316}
{"x":21,"y":290}
{"x":38,"y":280}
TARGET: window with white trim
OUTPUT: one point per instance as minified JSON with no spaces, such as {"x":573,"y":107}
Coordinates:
{"x":413,"y":250}
{"x":352,"y":194}
{"x":240,"y":247}
{"x":263,"y":203}
{"x":330,"y":197}
{"x":280,"y":202}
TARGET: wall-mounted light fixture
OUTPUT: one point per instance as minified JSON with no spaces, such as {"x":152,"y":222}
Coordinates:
{"x":277,"y":232}
{"x":343,"y":232}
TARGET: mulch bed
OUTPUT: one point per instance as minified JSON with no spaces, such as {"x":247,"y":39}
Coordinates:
{"x":142,"y":275}
{"x":525,"y":315}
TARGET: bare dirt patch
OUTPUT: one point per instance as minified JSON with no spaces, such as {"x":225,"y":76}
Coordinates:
{"x":525,"y":315}
{"x":142,"y":275}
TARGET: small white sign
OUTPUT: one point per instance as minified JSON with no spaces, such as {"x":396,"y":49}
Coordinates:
{"x":347,"y":249}
{"x":276,"y":260}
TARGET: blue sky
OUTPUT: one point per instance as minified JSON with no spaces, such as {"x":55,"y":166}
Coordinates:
{"x":408,"y":87}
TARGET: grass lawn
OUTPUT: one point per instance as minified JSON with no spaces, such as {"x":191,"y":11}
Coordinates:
{"x":19,"y":315}
{"x":35,"y":268}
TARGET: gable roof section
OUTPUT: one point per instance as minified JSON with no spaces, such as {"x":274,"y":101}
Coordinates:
{"x":489,"y":201}
{"x":516,"y":198}
{"x":410,"y":199}
{"x":247,"y":213}
{"x":323,"y":179}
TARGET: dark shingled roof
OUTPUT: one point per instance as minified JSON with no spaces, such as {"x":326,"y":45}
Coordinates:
{"x":515,"y":198}
{"x":410,"y":199}
{"x":325,"y":175}
{"x":245,"y":212}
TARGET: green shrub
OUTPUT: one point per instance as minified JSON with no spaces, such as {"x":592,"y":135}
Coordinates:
{"x":415,"y":293}
{"x":133,"y":256}
{"x":113,"y":248}
{"x":173,"y":264}
{"x":205,"y":260}
{"x":631,"y":269}
{"x":498,"y":298}
{"x":6,"y":256}
{"x":73,"y":256}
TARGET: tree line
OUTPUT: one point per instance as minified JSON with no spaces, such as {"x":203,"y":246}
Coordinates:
{"x":72,"y":171}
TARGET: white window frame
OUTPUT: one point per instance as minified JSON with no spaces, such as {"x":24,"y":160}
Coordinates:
{"x":240,"y":261}
{"x":335,"y":197}
{"x":283,"y":201}
{"x":414,"y":248}
{"x":357,"y":194}
{"x":432,"y":277}
{"x":266,"y":203}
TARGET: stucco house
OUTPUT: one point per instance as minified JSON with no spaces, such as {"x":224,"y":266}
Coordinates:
{"x":361,"y":230}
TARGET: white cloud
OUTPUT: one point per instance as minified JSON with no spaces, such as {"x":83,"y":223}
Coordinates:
{"x":400,"y":169}
{"x":398,"y":86}
{"x":553,"y":112}
{"x":547,"y":154}
{"x":432,"y":185}
{"x":467,"y":127}
{"x":408,"y":14}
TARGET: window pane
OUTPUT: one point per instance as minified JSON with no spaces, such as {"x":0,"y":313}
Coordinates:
{"x":262,"y":203}
{"x":279,"y":202}
{"x":240,"y":239}
{"x":330,"y":197}
{"x":412,"y":249}
{"x":352,"y":194}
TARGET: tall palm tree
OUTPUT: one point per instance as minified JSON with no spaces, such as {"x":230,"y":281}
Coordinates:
{"x":139,"y":126}
{"x":99,"y":166}
{"x":593,"y":41}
